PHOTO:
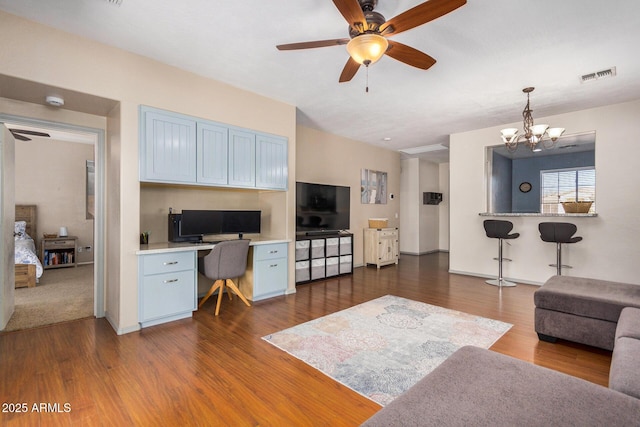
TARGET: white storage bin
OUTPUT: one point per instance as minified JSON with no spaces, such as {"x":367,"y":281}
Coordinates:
{"x":302,"y":271}
{"x":317,"y":268}
{"x":345,"y":245}
{"x":333,"y":266}
{"x":333,"y":245}
{"x":345,"y":263}
{"x":317,"y":248}
{"x":302,"y":249}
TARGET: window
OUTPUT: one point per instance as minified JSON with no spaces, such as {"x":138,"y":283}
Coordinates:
{"x":567,"y":185}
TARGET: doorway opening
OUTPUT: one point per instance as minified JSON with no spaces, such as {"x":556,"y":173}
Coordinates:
{"x":72,"y":203}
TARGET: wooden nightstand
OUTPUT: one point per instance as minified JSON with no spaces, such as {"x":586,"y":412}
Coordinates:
{"x":57,"y":252}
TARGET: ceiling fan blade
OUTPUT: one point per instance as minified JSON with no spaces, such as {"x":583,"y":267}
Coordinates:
{"x":421,"y":14}
{"x":349,"y":70}
{"x":311,"y":45}
{"x":352,"y":12}
{"x":29,"y":132}
{"x":19,"y":137}
{"x":409,"y":55}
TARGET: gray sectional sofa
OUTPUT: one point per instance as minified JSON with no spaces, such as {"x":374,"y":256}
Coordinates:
{"x":582,"y":310}
{"x":480,"y":387}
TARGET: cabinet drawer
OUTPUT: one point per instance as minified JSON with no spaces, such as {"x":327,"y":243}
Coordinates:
{"x":389,"y":233}
{"x":168,"y":294}
{"x":273,"y":251}
{"x":169,"y":262}
{"x":270,"y":278}
{"x":60,"y":244}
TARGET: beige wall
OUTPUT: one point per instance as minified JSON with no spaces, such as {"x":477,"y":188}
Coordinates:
{"x":52,"y":57}
{"x":329,"y":159}
{"x":51,"y":175}
{"x":610,"y":249}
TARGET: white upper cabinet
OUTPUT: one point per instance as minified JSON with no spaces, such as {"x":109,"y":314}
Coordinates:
{"x":212,"y":154}
{"x":242,"y":158}
{"x":271,"y":161}
{"x":168,"y":149}
{"x":175,"y":148}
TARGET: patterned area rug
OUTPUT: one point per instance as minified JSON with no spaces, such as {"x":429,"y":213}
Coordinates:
{"x":382,"y":347}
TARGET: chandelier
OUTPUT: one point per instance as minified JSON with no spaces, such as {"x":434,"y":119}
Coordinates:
{"x":533,"y":134}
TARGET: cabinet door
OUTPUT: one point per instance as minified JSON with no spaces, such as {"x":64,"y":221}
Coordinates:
{"x":242,"y":158}
{"x":168,"y":147}
{"x":271,"y":162}
{"x":213,"y":149}
{"x":388,"y":249}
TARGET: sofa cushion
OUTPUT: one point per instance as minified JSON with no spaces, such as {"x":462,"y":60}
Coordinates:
{"x":480,"y":387}
{"x":624,"y":375}
{"x":629,"y":324}
{"x":598,"y":299}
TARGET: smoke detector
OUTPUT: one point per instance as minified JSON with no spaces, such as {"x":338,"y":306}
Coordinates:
{"x":54,"y":101}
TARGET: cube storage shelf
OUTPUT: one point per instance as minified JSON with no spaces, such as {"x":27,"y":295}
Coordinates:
{"x":322,"y":256}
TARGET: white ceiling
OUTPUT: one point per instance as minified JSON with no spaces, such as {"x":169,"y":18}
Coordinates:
{"x":487,"y":52}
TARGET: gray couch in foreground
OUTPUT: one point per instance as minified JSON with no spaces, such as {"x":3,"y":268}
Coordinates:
{"x":481,"y":388}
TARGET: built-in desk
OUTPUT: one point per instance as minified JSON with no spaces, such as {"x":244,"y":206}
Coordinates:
{"x":168,"y":277}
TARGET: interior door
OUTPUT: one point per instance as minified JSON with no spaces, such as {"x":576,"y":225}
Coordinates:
{"x":7,"y":218}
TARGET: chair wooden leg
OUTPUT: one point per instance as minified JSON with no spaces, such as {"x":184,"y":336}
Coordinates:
{"x":220,"y":296}
{"x":217,"y":284}
{"x":235,"y":289}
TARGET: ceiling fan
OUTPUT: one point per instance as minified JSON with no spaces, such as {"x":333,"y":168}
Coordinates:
{"x":368,"y":32}
{"x":19,"y":134}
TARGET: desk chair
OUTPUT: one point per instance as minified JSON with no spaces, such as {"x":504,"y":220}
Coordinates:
{"x":226,"y":260}
{"x":558,"y":233}
{"x":497,"y":229}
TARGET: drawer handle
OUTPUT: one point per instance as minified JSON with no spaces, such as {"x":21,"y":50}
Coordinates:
{"x":273,"y":265}
{"x":170,"y":263}
{"x":171,"y":281}
{"x":273,"y":252}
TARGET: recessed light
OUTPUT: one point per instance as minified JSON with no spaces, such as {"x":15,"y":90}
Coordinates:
{"x":386,"y":138}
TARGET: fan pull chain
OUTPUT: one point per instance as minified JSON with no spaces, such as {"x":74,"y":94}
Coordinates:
{"x":367,"y":88}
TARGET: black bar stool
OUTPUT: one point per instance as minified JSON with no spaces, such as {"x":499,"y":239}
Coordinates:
{"x":558,"y":233}
{"x":497,"y":229}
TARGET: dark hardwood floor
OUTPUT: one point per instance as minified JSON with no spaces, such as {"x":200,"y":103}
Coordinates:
{"x":218,"y":371}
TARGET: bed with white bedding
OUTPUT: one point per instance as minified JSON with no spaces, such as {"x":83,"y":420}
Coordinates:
{"x":28,"y":266}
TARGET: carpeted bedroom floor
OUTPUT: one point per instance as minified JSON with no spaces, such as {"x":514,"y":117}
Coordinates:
{"x":62,"y":294}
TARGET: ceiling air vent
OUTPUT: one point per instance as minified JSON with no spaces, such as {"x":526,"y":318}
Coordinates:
{"x":591,"y":77}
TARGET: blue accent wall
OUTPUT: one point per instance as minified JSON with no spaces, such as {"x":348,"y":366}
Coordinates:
{"x":528,"y":170}
{"x":501,"y":179}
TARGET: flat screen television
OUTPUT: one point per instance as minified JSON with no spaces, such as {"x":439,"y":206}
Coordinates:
{"x":322,"y":208}
{"x":211,"y":222}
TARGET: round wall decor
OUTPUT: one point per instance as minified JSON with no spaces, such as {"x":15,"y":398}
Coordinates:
{"x":525,"y":187}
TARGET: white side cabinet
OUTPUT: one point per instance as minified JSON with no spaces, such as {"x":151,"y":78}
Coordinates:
{"x":166,"y":286}
{"x":381,"y":246}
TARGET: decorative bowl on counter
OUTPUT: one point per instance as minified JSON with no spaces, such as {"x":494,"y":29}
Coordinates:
{"x":576,"y":207}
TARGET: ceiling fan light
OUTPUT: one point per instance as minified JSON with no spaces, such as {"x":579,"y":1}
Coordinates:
{"x":555,"y":133}
{"x":367,"y":48}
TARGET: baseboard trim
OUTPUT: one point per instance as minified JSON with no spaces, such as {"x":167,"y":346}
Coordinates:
{"x":485,"y":276}
{"x":435,"y":251}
